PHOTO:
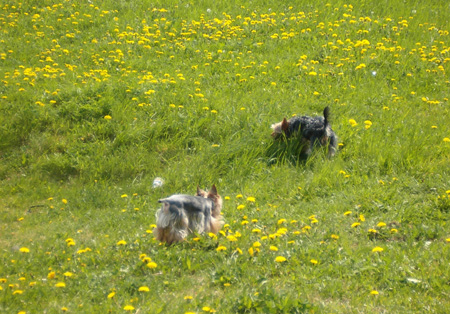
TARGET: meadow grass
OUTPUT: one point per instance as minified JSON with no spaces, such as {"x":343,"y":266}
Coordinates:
{"x":100,"y":97}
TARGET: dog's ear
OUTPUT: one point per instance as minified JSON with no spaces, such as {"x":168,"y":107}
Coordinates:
{"x":284,"y":125}
{"x":213,"y":190}
{"x":201,"y":192}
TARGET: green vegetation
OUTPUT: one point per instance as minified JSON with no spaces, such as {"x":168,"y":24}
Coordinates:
{"x":97,"y":98}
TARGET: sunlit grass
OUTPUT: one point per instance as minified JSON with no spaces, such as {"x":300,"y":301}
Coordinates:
{"x":98,"y":98}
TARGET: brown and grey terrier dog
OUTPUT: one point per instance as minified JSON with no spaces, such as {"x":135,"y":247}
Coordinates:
{"x":182,"y":214}
{"x":312,"y":131}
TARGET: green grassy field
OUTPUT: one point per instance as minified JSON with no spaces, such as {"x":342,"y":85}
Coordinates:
{"x":98,"y":98}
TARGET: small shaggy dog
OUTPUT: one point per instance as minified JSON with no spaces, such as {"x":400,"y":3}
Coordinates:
{"x":312,"y":131}
{"x":182,"y":214}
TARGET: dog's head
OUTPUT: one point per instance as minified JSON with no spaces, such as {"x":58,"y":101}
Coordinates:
{"x":212,"y":195}
{"x":280,"y":128}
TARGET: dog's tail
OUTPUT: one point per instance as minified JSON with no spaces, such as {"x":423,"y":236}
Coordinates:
{"x":326,"y":116}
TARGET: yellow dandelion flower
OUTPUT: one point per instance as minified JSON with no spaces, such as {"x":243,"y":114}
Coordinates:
{"x":64,"y":201}
{"x":280,"y":259}
{"x":144,"y":289}
{"x":281,"y":221}
{"x":24,"y":250}
{"x":188,"y":297}
{"x":393,"y":230}
{"x":121,"y":242}
{"x":68,"y":274}
{"x":334,"y":236}
{"x":374,"y":292}
{"x":221,"y":248}
{"x":17,"y":292}
{"x":251,"y":199}
{"x":355,"y":224}
{"x":372,"y":231}
{"x":124,"y":196}
{"x":314,"y":262}
{"x":347,"y":213}
{"x":381,"y":224}
{"x":256,"y":230}
{"x":64,"y":309}
{"x":256,"y":244}
{"x":51,"y":275}
{"x":107,"y":117}
{"x":146,"y":259}
{"x":239,"y":196}
{"x":446,"y":139}
{"x":352,"y":122}
{"x":128,"y":308}
{"x":240,"y":207}
{"x":282,"y":231}
{"x":111,"y":295}
{"x":231,"y":238}
{"x":273,"y":248}
{"x":377,"y":249}
{"x":152,"y":265}
{"x":60,"y":285}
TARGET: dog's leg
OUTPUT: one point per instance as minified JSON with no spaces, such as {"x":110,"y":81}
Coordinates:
{"x":332,"y":146}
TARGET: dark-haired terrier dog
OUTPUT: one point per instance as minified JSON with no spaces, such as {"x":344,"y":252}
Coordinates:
{"x":182,"y":214}
{"x":313,"y":131}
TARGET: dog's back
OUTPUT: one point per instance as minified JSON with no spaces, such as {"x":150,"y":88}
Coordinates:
{"x":189,"y":203}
